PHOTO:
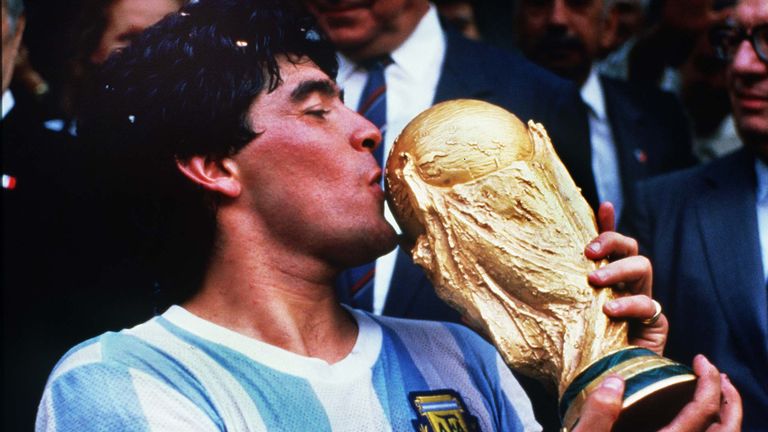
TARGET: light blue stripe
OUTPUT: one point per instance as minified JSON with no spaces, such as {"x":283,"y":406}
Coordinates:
{"x":395,"y":375}
{"x":97,"y":398}
{"x":137,"y":354}
{"x":485,"y":377}
{"x":285,"y":402}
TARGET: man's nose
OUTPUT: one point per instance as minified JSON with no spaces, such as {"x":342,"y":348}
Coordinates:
{"x":366,"y":135}
{"x":559,"y":14}
{"x":745,"y":59}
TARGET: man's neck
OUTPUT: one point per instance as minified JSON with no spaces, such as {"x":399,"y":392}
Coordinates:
{"x":277,"y":297}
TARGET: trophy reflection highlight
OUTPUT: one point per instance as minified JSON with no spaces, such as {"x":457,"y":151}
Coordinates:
{"x":500,"y":228}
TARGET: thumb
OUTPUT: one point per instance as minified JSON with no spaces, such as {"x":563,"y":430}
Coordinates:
{"x":602,"y":406}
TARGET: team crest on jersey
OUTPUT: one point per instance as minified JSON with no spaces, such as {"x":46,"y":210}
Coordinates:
{"x":441,"y":411}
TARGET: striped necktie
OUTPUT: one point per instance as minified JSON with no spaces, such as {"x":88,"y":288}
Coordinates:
{"x":373,"y":106}
{"x":373,"y":100}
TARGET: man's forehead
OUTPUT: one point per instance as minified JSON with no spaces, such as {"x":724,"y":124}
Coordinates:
{"x":752,"y":12}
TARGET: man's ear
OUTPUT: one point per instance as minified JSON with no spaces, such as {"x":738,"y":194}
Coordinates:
{"x":218,"y":175}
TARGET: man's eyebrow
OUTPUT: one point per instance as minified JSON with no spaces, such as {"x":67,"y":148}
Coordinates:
{"x":306,"y":88}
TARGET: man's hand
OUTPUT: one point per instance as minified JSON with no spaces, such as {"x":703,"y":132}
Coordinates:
{"x":716,"y":405}
{"x":629,"y":272}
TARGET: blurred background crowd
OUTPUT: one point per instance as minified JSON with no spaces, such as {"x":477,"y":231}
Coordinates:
{"x":652,"y":87}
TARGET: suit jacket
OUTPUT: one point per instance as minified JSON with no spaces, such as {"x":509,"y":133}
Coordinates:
{"x":650,"y":131}
{"x":699,"y":227}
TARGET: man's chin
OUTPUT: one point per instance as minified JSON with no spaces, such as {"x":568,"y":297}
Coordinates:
{"x":570,"y":64}
{"x":369,"y":247}
{"x":755,"y":137}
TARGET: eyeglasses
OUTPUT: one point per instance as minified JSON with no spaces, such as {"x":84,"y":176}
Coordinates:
{"x":726,"y":39}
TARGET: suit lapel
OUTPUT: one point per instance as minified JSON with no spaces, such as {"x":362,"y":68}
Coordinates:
{"x":728,"y":223}
{"x":630,"y":134}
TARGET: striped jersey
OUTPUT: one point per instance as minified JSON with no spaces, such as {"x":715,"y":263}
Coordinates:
{"x":179,"y":372}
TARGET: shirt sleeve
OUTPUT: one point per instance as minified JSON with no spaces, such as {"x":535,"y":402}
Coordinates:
{"x":107,"y":397}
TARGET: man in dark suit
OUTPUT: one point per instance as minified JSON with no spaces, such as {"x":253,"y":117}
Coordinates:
{"x":636,"y":131}
{"x":706,"y":230}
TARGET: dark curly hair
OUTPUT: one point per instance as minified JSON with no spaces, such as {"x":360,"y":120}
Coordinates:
{"x":184,"y":88}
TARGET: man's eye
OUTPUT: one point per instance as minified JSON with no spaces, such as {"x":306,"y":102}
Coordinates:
{"x":320,"y":113}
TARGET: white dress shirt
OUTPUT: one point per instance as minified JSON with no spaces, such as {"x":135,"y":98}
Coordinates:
{"x":411,"y":84}
{"x":7,"y":103}
{"x":761,"y":169}
{"x":605,"y":158}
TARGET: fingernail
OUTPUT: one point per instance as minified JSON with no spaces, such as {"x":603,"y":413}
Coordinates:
{"x":594,"y":247}
{"x":612,"y":305}
{"x":599,"y":273}
{"x":614,"y":384}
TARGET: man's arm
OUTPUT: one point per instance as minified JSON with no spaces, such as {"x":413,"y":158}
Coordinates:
{"x":102,"y":395}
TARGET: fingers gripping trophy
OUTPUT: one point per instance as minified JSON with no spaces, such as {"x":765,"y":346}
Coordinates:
{"x":499,"y":226}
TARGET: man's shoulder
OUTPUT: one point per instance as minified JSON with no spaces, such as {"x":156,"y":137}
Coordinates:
{"x":648,"y":98}
{"x":691,"y":180}
{"x":104,"y":352}
{"x":664,"y":197}
{"x":504,"y":66}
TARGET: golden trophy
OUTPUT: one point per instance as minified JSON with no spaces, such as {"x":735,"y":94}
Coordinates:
{"x":500,"y":228}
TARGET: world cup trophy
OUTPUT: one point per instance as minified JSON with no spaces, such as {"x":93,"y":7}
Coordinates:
{"x":500,"y":228}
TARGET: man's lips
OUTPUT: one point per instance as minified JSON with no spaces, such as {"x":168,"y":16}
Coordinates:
{"x":375,"y":177}
{"x":375,"y":183}
{"x":339,"y":7}
{"x":751,"y":100}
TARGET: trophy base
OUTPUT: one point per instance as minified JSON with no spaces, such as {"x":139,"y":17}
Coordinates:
{"x":656,"y":389}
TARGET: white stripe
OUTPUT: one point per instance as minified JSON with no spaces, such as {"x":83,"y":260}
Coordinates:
{"x":339,"y":388}
{"x":350,"y":397}
{"x":517,"y":397}
{"x":6,"y":181}
{"x":226,"y":393}
{"x":165,"y":409}
{"x":81,"y":357}
{"x":46,"y":418}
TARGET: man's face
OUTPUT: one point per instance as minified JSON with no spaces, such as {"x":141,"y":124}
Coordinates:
{"x":368,"y":25}
{"x":11,"y":42}
{"x":310,"y":173}
{"x":126,"y":19}
{"x":564,"y":36}
{"x":747,"y":78}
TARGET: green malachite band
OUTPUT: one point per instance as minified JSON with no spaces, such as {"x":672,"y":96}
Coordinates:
{"x":588,"y":376}
{"x":633,"y":383}
{"x":643,"y":380}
